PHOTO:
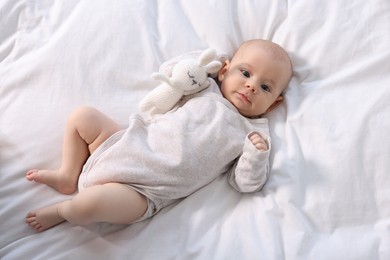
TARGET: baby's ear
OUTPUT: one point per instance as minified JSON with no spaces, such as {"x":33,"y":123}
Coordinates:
{"x":223,"y":70}
{"x":276,"y":103}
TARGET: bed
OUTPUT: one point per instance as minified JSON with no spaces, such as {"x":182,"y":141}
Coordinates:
{"x":328,"y":195}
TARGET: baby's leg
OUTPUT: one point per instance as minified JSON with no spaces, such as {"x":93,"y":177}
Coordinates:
{"x":112,"y":202}
{"x":86,"y":129}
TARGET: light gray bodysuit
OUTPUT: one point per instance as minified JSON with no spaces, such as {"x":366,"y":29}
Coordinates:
{"x":170,"y":156}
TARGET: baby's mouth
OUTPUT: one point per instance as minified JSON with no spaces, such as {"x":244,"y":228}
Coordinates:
{"x":244,"y":98}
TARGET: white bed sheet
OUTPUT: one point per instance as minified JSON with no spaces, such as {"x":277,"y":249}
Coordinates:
{"x":328,"y":196}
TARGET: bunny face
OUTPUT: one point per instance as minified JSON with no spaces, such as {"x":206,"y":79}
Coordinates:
{"x":190,"y":77}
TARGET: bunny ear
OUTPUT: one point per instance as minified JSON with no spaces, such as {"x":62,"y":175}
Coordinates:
{"x":213,"y":67}
{"x":207,"y":56}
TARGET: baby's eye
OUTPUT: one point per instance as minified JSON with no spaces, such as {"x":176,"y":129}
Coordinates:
{"x":245,"y":73}
{"x":265,"y":88}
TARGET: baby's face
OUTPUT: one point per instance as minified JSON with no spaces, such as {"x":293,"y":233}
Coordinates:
{"x":253,"y":81}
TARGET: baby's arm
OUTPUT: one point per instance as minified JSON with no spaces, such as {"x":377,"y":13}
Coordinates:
{"x":250,"y":171}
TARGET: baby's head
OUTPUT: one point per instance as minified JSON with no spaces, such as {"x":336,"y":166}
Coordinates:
{"x":256,"y":76}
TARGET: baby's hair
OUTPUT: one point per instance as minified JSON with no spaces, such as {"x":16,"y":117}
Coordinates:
{"x":274,"y":49}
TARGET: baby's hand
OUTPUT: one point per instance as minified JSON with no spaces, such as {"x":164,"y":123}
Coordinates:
{"x":258,"y":142}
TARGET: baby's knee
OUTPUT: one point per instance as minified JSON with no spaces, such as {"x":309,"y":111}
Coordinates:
{"x":83,"y":115}
{"x":84,"y":112}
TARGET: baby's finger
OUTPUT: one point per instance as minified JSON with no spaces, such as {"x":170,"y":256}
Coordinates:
{"x":261,"y":146}
{"x":258,"y":141}
{"x":255,"y":136}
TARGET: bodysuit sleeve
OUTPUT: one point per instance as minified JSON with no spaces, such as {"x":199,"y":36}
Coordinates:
{"x":250,"y":171}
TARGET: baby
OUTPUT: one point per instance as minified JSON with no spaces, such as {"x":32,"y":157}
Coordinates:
{"x":127,"y":175}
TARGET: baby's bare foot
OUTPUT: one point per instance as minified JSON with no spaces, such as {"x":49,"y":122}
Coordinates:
{"x":53,"y":178}
{"x":45,"y":218}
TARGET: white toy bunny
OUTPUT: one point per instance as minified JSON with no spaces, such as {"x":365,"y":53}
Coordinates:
{"x":189,"y":76}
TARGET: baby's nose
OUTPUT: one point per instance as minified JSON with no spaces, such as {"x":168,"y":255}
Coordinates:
{"x":251,"y":87}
